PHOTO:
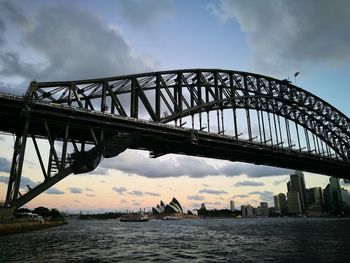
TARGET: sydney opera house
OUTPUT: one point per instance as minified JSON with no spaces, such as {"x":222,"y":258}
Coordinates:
{"x":173,"y":207}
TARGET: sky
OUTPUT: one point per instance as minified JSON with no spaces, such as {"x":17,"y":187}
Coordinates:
{"x":67,"y":40}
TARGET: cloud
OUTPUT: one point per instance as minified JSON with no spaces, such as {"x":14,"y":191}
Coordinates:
{"x":135,"y":204}
{"x":152,"y":194}
{"x":251,"y":170}
{"x":263,"y":195}
{"x":24,"y":181}
{"x":132,"y":162}
{"x":240,"y":196}
{"x":5,"y":165}
{"x":123,"y":201}
{"x":54,"y":191}
{"x":69,"y":42}
{"x":214,"y":203}
{"x":27,"y":181}
{"x":195,"y":197}
{"x":90,"y":195}
{"x":98,"y":171}
{"x":4,"y":179}
{"x":135,"y":192}
{"x":119,"y":190}
{"x":291,"y":35}
{"x":212,"y":191}
{"x":89,"y":189}
{"x":145,"y":12}
{"x":13,"y":12}
{"x":248,"y":183}
{"x":75,"y":190}
{"x":2,"y":32}
{"x":281,"y":181}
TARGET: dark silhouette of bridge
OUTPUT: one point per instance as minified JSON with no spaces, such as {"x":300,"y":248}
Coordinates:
{"x":230,"y":115}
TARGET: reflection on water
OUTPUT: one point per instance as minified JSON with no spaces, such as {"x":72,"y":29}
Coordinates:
{"x":223,"y":240}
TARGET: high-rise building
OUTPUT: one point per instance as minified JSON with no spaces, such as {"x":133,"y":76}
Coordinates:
{"x":327,"y":195}
{"x":315,"y":199}
{"x":297,"y":184}
{"x":277,"y":204}
{"x":293,"y":203}
{"x":263,"y":209}
{"x":333,"y":196}
{"x":282,"y":202}
{"x":232,"y":205}
{"x":247,"y":211}
{"x":345,"y":197}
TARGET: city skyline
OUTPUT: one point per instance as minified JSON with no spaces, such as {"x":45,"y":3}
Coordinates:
{"x":115,"y":38}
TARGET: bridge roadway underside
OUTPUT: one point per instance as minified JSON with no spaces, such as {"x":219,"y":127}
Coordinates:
{"x":160,"y":139}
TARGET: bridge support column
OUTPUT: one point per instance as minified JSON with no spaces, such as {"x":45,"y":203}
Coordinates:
{"x":17,"y":165}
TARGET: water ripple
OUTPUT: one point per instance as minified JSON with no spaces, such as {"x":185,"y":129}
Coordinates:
{"x":246,"y":240}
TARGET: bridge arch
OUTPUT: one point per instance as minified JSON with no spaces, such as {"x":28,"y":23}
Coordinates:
{"x":168,"y":96}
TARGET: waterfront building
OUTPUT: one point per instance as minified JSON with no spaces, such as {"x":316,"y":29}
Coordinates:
{"x":172,"y":208}
{"x":297,"y":184}
{"x":203,"y":207}
{"x":315,"y":199}
{"x":263,"y":209}
{"x":277,"y":204}
{"x":345,"y":197}
{"x":159,"y":208}
{"x":327,"y":194}
{"x":283,"y":203}
{"x":333,"y":196}
{"x":280,"y":201}
{"x":293,"y":203}
{"x":247,"y":211}
{"x":232,"y":205}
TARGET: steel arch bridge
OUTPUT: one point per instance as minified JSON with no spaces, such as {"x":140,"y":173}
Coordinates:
{"x":224,"y":114}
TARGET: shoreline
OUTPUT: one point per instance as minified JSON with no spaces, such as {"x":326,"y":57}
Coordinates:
{"x":22,"y":227}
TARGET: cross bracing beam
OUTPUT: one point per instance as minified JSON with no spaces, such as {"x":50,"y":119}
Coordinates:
{"x":199,"y":112}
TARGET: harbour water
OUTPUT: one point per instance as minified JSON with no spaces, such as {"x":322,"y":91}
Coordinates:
{"x":209,"y":240}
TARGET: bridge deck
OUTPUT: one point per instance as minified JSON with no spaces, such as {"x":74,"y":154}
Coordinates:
{"x":157,"y":137}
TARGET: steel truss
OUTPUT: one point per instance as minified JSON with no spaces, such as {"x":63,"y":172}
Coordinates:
{"x":67,"y":154}
{"x":287,"y":120}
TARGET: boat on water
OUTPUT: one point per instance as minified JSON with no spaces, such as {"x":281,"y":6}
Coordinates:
{"x":171,"y":218}
{"x":134,"y":218}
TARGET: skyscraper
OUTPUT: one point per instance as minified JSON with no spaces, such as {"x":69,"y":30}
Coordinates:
{"x":297,"y":184}
{"x":345,"y":197}
{"x":293,"y":203}
{"x":232,"y":205}
{"x":315,"y":197}
{"x":277,"y":204}
{"x":280,"y":203}
{"x":333,"y":196}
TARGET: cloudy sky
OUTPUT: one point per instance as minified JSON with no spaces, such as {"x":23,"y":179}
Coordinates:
{"x":66,"y":40}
